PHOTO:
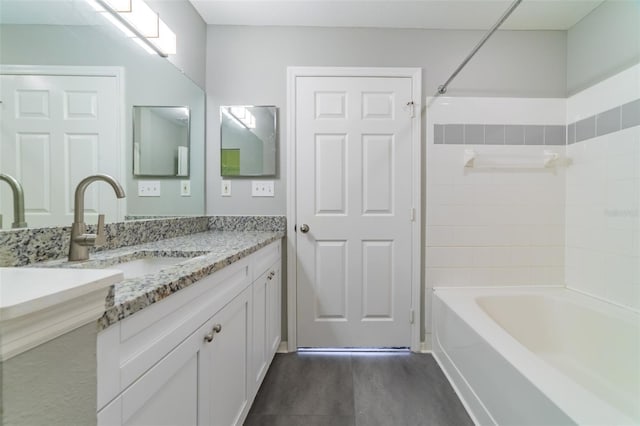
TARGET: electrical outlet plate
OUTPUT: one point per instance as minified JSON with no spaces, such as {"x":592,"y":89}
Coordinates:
{"x":262,"y":188}
{"x":225,"y":188}
{"x":185,"y":188}
{"x":148,"y":188}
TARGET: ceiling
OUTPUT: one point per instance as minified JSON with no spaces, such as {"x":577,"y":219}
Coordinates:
{"x":431,"y":14}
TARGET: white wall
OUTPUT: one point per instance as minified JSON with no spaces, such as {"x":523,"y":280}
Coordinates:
{"x":493,"y":226}
{"x":603,"y":195}
{"x":602,"y":44}
{"x":191,"y":36}
{"x":247,"y":66}
{"x":162,"y":136}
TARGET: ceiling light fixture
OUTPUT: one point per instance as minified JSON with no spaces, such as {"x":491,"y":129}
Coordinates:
{"x":138,"y":21}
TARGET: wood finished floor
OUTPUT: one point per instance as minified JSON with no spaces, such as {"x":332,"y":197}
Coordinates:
{"x":355,"y":389}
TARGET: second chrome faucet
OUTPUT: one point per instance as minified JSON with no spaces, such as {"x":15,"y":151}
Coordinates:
{"x":80,"y":240}
{"x":18,"y":201}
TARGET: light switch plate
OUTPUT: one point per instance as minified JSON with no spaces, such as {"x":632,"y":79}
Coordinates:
{"x":148,"y":188}
{"x":185,"y":188}
{"x":262,"y":188}
{"x":225,"y":188}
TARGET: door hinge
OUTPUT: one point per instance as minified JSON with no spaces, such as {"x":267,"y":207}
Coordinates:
{"x":412,"y":214}
{"x":411,"y":316}
{"x":412,"y":109}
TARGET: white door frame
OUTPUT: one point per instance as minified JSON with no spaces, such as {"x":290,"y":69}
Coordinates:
{"x":416,"y":78}
{"x":72,"y":70}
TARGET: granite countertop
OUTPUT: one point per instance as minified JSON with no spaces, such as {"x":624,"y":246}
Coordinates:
{"x":204,"y":253}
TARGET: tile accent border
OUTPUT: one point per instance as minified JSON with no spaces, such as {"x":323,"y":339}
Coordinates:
{"x":610,"y":121}
{"x":499,"y":134}
{"x":606,"y":122}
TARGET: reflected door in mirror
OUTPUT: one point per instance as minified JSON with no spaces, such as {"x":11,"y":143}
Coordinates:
{"x":56,"y":130}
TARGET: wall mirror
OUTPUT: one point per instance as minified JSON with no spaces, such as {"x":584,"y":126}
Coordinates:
{"x":248,"y":137}
{"x":66,"y":41}
{"x":161,"y":141}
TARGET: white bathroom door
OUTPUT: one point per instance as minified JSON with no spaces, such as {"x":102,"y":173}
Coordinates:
{"x":354,"y":192}
{"x":57,"y":130}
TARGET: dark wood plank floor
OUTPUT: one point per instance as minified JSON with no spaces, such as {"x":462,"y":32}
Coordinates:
{"x":356,"y":389}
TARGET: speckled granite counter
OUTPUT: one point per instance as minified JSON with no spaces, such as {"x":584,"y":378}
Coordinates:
{"x":204,"y":253}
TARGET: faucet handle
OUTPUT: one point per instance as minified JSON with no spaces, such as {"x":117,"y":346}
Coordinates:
{"x":100,"y":234}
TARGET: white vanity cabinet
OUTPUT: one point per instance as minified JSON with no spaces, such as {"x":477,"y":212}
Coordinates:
{"x":266,"y":316}
{"x":190,"y":359}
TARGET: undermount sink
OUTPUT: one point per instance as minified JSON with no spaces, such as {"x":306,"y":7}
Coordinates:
{"x":147,"y":265}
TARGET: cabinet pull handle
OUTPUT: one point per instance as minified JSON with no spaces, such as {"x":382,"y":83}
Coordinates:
{"x":216,"y":329}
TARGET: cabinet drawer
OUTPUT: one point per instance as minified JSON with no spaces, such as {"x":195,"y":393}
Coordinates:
{"x":265,"y":257}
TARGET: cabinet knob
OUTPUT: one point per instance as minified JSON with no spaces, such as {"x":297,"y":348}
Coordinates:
{"x":209,"y":337}
{"x":217,"y":328}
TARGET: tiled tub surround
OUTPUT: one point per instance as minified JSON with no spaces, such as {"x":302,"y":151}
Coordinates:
{"x":603,"y":190}
{"x":20,"y":247}
{"x":204,"y":254}
{"x":493,"y":227}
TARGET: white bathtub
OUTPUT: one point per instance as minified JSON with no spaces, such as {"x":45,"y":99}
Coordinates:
{"x":539,"y":356}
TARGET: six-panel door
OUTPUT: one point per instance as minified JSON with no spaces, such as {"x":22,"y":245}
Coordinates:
{"x":353,"y":145}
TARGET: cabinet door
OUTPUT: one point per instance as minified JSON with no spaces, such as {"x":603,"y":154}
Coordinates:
{"x":168,"y":393}
{"x":274,"y":311}
{"x":259,"y":341}
{"x":228,"y":357}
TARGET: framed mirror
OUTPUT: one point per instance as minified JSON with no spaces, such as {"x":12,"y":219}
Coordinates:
{"x":248,"y":137}
{"x":161,"y":141}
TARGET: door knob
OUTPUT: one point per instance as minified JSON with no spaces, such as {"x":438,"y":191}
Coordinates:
{"x":304,"y":228}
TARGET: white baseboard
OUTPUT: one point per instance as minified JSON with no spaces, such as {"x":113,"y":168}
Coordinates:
{"x":282,"y":348}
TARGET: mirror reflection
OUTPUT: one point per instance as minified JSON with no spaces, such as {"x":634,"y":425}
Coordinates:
{"x":248,"y":140}
{"x":161,"y":141}
{"x":69,"y":81}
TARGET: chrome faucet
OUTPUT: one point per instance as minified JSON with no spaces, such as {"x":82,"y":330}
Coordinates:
{"x":80,"y":240}
{"x":18,"y":201}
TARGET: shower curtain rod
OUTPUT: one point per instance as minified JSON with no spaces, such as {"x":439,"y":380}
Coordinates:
{"x":443,"y":89}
